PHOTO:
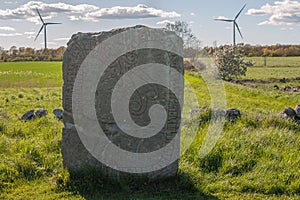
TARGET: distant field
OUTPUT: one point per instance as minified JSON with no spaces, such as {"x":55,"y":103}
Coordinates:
{"x":30,"y":74}
{"x":268,"y":73}
{"x":276,"y":61}
{"x":49,"y":74}
{"x":257,"y":157}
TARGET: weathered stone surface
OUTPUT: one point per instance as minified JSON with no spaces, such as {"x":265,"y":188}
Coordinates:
{"x":75,"y":155}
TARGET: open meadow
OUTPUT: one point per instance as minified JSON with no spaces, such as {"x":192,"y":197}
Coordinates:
{"x":256,"y":157}
{"x":276,"y":61}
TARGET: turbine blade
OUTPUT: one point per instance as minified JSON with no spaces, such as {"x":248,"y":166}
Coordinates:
{"x":39,"y":33}
{"x":52,"y":23}
{"x":40,"y":16}
{"x":238,"y":30}
{"x":240,"y":12}
{"x":224,"y":20}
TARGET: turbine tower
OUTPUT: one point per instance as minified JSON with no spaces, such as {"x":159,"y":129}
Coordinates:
{"x":44,"y":26}
{"x":235,"y":25}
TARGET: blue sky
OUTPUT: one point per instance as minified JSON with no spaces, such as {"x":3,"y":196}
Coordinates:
{"x":262,"y":21}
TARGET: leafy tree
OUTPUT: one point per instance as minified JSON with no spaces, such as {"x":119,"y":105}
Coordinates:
{"x":230,"y":62}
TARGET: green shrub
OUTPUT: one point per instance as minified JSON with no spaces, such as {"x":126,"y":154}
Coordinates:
{"x":230,"y":62}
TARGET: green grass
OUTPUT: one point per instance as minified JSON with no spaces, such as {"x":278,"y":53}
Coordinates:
{"x":267,"y":77}
{"x":257,"y":157}
{"x":272,"y":73}
{"x":30,"y":74}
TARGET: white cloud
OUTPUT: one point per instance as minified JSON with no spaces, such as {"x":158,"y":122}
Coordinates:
{"x":285,"y":12}
{"x":222,"y":17}
{"x":61,"y":39}
{"x":84,"y":12}
{"x":29,"y":33}
{"x":118,"y":12}
{"x":74,"y":18}
{"x":192,"y":14}
{"x":10,"y":34}
{"x":7,"y":28}
{"x":164,"y":22}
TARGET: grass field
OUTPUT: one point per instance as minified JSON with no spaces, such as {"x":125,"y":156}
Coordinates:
{"x":257,"y":157}
{"x":276,"y":61}
{"x":30,"y":74}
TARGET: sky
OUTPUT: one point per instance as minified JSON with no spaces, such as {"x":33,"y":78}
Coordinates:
{"x":263,"y":22}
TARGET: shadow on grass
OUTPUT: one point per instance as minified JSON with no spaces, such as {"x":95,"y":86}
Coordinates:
{"x":93,"y":187}
{"x":264,"y":81}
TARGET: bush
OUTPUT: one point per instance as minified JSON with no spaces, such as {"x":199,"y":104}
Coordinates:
{"x":230,"y":62}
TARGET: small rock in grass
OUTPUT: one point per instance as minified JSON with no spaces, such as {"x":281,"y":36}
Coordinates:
{"x":288,"y":113}
{"x":219,"y":113}
{"x":283,"y":80}
{"x":58,"y":113}
{"x":282,"y":115}
{"x":287,"y":88}
{"x":197,"y":110}
{"x":29,"y":115}
{"x":233,"y":114}
{"x":276,"y":87}
{"x":194,"y":111}
{"x":297,"y":110}
{"x":41,"y":112}
{"x":296,"y":89}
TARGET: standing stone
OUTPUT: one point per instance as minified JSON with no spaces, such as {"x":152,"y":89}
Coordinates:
{"x":76,"y":157}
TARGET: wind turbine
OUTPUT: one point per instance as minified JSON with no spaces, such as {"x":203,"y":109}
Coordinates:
{"x":234,"y":24}
{"x":44,"y":26}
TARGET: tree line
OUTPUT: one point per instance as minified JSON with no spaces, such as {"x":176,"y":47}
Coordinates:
{"x":15,"y":54}
{"x":277,"y":50}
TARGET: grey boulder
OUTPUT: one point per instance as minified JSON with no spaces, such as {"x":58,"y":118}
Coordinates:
{"x":29,"y":115}
{"x":297,"y":110}
{"x":58,"y":113}
{"x":233,"y":114}
{"x":219,"y":113}
{"x":41,"y":113}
